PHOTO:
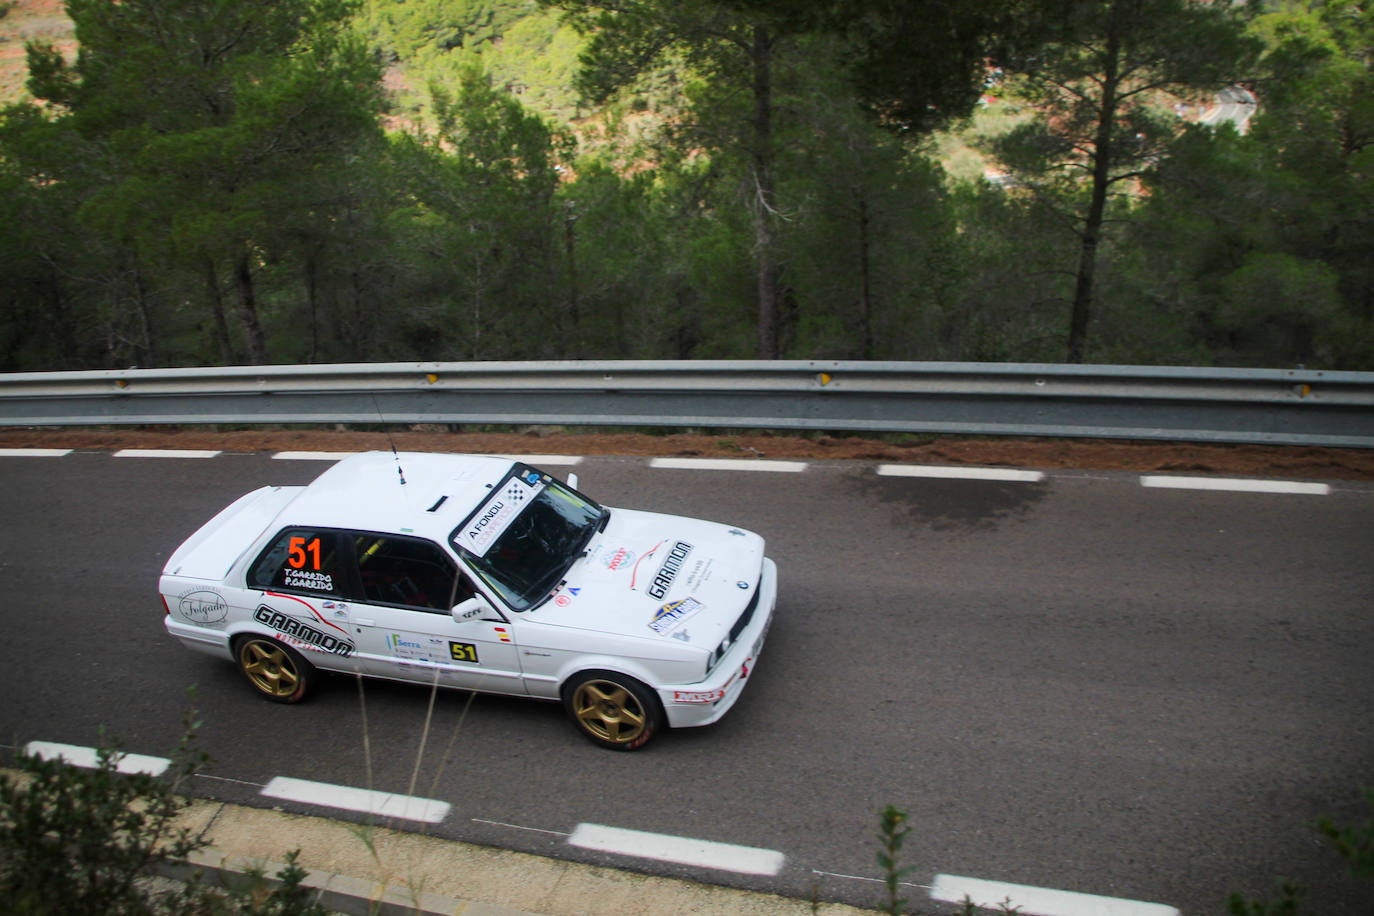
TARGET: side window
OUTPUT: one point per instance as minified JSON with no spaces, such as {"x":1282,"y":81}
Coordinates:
{"x":408,"y":572}
{"x":301,"y":560}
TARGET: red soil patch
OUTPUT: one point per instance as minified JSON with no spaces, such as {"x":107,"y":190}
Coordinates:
{"x":1190,"y":458}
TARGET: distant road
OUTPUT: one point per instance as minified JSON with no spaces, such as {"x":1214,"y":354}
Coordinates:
{"x":1235,"y":104}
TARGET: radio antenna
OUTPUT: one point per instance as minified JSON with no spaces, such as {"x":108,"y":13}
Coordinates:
{"x":377,"y":407}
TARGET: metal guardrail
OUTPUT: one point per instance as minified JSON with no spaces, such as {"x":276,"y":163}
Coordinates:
{"x":1273,"y":406}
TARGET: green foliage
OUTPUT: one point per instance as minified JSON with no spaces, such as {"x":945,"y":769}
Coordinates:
{"x":79,"y":841}
{"x":1287,"y":902}
{"x":1354,"y":844}
{"x":1099,"y":88}
{"x":892,"y":834}
{"x":722,"y":189}
{"x":76,"y":841}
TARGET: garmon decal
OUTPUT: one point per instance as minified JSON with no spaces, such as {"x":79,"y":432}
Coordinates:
{"x":302,"y":631}
{"x":663,"y":579}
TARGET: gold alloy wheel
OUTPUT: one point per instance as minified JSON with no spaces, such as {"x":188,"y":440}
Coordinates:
{"x":269,"y":667}
{"x":609,"y":711}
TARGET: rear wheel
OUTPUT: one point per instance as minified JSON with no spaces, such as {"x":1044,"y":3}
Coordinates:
{"x":612,"y":710}
{"x":276,"y":671}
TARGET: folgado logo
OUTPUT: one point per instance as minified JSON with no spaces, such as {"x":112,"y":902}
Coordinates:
{"x":203,"y":606}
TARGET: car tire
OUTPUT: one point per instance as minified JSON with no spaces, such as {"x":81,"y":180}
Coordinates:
{"x":277,"y":672}
{"x":612,"y":710}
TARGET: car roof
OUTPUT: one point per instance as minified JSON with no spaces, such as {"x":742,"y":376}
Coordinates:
{"x":410,"y":493}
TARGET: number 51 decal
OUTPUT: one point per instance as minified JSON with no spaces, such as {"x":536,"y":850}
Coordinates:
{"x":297,"y":551}
{"x":463,"y":652}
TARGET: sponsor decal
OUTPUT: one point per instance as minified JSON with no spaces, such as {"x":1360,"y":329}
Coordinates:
{"x":302,"y":632}
{"x":562,"y":601}
{"x":698,"y":696}
{"x":673,"y":613}
{"x":414,"y":648}
{"x":667,"y":572}
{"x":462,"y":652}
{"x":502,"y":633}
{"x":618,"y":559}
{"x":682,"y":635}
{"x":307,"y":605}
{"x":701,"y":570}
{"x":634,"y":573}
{"x":491,"y":521}
{"x":469,"y":614}
{"x":203,"y":606}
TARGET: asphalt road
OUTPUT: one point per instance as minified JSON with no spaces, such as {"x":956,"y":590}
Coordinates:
{"x":1080,"y":683}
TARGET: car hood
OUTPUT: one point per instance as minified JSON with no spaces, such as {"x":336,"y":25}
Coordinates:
{"x":660,"y":576}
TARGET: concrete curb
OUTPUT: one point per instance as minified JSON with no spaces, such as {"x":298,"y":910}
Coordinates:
{"x":366,"y":870}
{"x":336,"y":893}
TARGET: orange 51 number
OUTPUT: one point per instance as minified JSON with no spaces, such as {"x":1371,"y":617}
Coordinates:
{"x":299,"y":548}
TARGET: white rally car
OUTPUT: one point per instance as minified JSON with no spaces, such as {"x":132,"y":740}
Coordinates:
{"x":478,"y":573}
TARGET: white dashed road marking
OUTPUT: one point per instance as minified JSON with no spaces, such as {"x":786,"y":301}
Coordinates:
{"x":1237,"y":485}
{"x":89,"y":758}
{"x":728,"y":464}
{"x":561,"y":460}
{"x":312,"y":456}
{"x":959,"y":473}
{"x":543,"y":459}
{"x":748,"y":860}
{"x":34,"y":452}
{"x":384,"y":804}
{"x":1039,"y":901}
{"x":165,"y":453}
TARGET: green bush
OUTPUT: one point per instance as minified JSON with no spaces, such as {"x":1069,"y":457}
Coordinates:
{"x":77,"y":841}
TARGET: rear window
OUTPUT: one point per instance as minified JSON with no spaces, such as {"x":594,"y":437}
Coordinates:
{"x":301,"y":560}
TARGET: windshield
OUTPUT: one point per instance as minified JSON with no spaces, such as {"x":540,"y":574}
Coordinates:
{"x":526,"y":536}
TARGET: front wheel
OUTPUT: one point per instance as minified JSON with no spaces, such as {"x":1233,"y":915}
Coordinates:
{"x":612,"y":710}
{"x":276,"y":671}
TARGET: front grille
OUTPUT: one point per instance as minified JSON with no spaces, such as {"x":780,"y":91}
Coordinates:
{"x":740,"y":626}
{"x":743,"y":623}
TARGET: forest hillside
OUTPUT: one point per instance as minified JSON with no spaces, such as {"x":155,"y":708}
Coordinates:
{"x":338,"y":181}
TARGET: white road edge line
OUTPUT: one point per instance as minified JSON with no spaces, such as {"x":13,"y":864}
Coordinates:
{"x":748,"y":860}
{"x":89,"y":758}
{"x":835,"y":874}
{"x":565,"y":460}
{"x":1039,"y":901}
{"x":959,"y":473}
{"x":561,"y":460}
{"x":1236,"y":485}
{"x":384,"y":804}
{"x":482,"y":820}
{"x":312,"y":456}
{"x":728,"y":464}
{"x":166,"y":453}
{"x":34,"y":452}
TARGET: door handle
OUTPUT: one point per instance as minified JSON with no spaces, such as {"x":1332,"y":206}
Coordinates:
{"x":364,"y":623}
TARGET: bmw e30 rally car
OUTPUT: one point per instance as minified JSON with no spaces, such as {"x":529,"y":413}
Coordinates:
{"x":478,"y":573}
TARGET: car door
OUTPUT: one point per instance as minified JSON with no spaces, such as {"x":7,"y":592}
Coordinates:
{"x":299,"y":587}
{"x":403,"y":627}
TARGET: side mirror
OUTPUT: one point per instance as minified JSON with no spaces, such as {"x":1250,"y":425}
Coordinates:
{"x":471,"y":609}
